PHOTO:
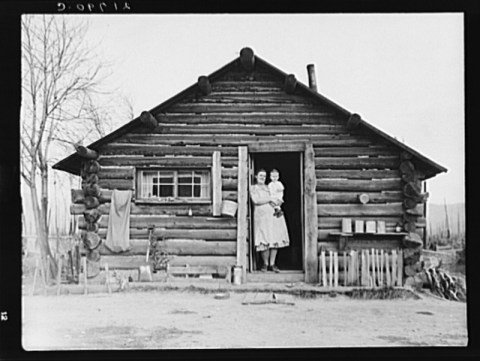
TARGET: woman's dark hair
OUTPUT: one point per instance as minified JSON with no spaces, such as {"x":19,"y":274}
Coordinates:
{"x":260,"y":170}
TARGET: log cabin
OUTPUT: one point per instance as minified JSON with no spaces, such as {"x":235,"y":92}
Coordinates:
{"x":190,"y":161}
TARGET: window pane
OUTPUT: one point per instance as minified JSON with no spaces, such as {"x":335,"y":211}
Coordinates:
{"x":185,"y":190}
{"x":185,"y":177}
{"x":166,"y":177}
{"x":166,"y":191}
{"x":197,"y":191}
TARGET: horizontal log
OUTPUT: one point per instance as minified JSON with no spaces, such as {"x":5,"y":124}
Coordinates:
{"x":324,"y":197}
{"x":115,"y":172}
{"x":354,"y":151}
{"x":164,"y":161}
{"x":239,"y":74}
{"x":177,"y":247}
{"x":351,"y":210}
{"x":207,"y":234}
{"x":336,"y":222}
{"x":232,"y":139}
{"x":229,"y":184}
{"x":230,"y":195}
{"x":204,"y":85}
{"x":92,"y":190}
{"x":290,"y":84}
{"x":255,"y":98}
{"x":148,"y":120}
{"x":77,"y":196}
{"x":356,"y":173}
{"x":160,"y":150}
{"x":247,"y":59}
{"x":356,"y":162}
{"x":354,"y":185}
{"x":91,"y":202}
{"x":353,"y":121}
{"x":143,"y":221}
{"x":327,"y":118}
{"x":252,"y":129}
{"x":86,"y":153}
{"x":134,"y":262}
{"x":242,"y":108}
{"x":242,"y":86}
{"x":151,"y":209}
{"x":121,"y":184}
{"x":88,"y":167}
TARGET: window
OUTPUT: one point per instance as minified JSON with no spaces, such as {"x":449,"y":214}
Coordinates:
{"x":173,"y":185}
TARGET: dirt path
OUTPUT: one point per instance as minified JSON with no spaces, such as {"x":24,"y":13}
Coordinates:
{"x":161,"y":319}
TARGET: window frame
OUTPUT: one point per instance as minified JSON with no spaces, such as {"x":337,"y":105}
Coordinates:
{"x":176,"y":199}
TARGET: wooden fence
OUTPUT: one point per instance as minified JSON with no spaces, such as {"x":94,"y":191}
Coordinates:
{"x":363,"y":268}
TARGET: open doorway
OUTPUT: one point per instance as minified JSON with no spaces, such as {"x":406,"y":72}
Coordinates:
{"x":290,"y":168}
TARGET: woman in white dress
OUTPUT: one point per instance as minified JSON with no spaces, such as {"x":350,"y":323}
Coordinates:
{"x":269,"y":232}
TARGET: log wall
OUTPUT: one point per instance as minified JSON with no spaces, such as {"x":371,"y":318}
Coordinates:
{"x":244,"y":107}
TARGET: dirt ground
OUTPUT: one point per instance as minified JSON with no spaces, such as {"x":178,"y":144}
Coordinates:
{"x":186,"y":319}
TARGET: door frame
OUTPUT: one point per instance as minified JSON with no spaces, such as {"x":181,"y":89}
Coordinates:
{"x":309,"y":216}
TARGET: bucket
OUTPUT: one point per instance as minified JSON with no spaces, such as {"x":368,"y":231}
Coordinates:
{"x":229,"y":208}
{"x":237,"y":275}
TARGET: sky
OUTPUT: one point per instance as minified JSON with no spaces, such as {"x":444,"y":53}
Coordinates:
{"x":403,"y":73}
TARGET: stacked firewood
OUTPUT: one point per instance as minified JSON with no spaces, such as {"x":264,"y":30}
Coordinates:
{"x":91,"y":191}
{"x":444,"y":285}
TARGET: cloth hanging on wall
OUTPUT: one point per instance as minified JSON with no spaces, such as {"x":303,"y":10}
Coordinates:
{"x":118,"y":232}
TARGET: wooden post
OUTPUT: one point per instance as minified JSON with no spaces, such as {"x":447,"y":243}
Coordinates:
{"x":324,"y":270}
{"x":85,"y":152}
{"x":242,"y":210}
{"x":400,"y":268}
{"x":247,"y":59}
{"x":217,"y":183}
{"x":373,"y":268}
{"x":330,"y":268}
{"x":387,"y":271}
{"x":363,"y":267}
{"x":84,"y":261}
{"x":394,"y":267}
{"x":320,"y":265}
{"x":382,"y":262}
{"x":148,"y":120}
{"x":310,"y":214}
{"x":345,"y":267}
{"x":335,"y":268}
{"x":107,"y":278}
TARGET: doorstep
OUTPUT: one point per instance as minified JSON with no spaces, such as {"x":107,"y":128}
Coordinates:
{"x":272,"y":277}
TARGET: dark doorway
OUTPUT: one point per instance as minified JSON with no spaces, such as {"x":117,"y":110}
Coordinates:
{"x":289,"y":166}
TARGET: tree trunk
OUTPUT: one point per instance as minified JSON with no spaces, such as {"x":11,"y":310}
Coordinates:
{"x":42,"y":234}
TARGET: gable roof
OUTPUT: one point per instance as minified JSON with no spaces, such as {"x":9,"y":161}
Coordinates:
{"x":72,"y":163}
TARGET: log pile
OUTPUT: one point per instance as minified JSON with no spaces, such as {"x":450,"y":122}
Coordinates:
{"x":90,"y":194}
{"x":439,"y":282}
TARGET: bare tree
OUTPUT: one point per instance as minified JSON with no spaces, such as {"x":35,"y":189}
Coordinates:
{"x":61,"y":79}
